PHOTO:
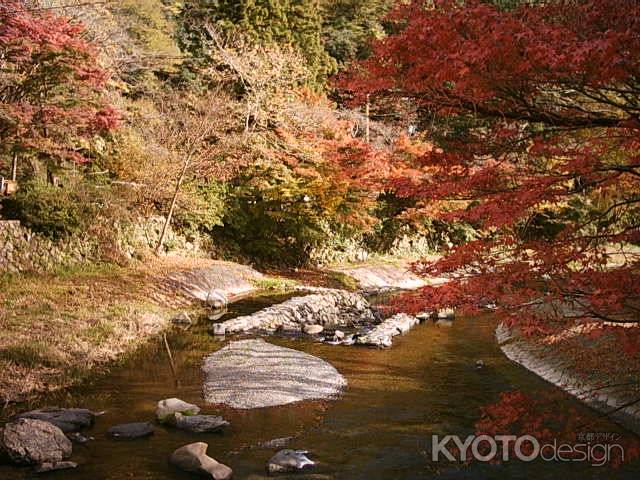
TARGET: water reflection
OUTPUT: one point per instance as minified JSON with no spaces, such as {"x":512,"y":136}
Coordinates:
{"x":426,"y":384}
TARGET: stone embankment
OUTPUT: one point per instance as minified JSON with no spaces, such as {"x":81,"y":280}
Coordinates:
{"x":216,"y":284}
{"x":617,"y":400}
{"x":382,"y":335}
{"x":21,"y":250}
{"x":377,"y":277}
{"x":329,"y":308}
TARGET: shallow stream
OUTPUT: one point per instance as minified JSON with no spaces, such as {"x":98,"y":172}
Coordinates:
{"x":379,"y":429}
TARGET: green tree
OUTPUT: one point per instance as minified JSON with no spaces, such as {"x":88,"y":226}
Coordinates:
{"x":350,"y":25}
{"x":287,"y":22}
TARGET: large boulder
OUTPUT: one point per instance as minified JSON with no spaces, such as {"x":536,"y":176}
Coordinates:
{"x":27,"y":441}
{"x":193,"y":458}
{"x":66,"y":419}
{"x":169,"y":406}
{"x":197,"y":423}
{"x":255,"y":374}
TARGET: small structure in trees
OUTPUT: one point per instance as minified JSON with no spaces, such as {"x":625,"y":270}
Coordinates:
{"x":8,"y":187}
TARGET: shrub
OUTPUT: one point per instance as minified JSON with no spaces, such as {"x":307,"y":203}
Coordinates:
{"x":201,"y":206}
{"x":53,"y":211}
{"x":279,"y":217}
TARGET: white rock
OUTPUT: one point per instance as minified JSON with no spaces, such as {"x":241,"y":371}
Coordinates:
{"x":255,"y":374}
{"x":313,"y":329}
{"x":193,"y":458}
{"x":174,"y":405}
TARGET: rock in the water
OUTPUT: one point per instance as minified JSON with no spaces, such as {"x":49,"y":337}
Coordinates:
{"x":313,"y":329}
{"x":54,"y":466}
{"x":255,"y":374}
{"x":76,"y":437}
{"x":66,"y":419}
{"x":193,"y":458}
{"x":349,"y":340}
{"x":479,"y":364}
{"x":28,"y":441}
{"x":288,"y":461}
{"x":174,"y":405}
{"x":446,"y":314}
{"x":338,"y":335}
{"x":197,"y":423}
{"x":216,"y":299}
{"x":131,"y":430}
{"x":381,"y":335}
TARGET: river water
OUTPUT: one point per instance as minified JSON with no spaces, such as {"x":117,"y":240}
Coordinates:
{"x":379,"y":429}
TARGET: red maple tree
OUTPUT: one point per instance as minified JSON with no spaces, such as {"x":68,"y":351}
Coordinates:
{"x":51,"y":85}
{"x":537,"y":116}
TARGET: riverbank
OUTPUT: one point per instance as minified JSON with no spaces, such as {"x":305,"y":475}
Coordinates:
{"x":56,"y":329}
{"x":593,"y":368}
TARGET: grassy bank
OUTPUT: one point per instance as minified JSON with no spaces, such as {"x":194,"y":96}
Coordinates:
{"x":55,"y":329}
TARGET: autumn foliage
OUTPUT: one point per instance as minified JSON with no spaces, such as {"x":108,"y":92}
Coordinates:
{"x":543,"y":416}
{"x":51,"y":86}
{"x":536,"y":111}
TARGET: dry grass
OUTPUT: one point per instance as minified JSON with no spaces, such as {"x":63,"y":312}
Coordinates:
{"x":57,"y":328}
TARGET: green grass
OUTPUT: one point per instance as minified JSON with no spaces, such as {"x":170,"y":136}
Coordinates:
{"x":100,"y":332}
{"x":86,"y":270}
{"x":275,"y":284}
{"x":343,"y":280}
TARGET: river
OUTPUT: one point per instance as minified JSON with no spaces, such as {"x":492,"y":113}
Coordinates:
{"x":380,"y":428}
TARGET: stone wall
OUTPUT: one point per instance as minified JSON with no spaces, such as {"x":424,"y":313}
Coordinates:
{"x":132,"y":239}
{"x":21,"y":250}
{"x":618,"y":401}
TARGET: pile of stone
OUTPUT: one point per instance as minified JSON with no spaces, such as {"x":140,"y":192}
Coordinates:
{"x":42,"y":438}
{"x":382,"y":335}
{"x":329,"y":308}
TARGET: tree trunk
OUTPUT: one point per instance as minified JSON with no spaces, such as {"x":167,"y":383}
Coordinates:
{"x":14,"y":167}
{"x":368,"y":121}
{"x":167,"y":222}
